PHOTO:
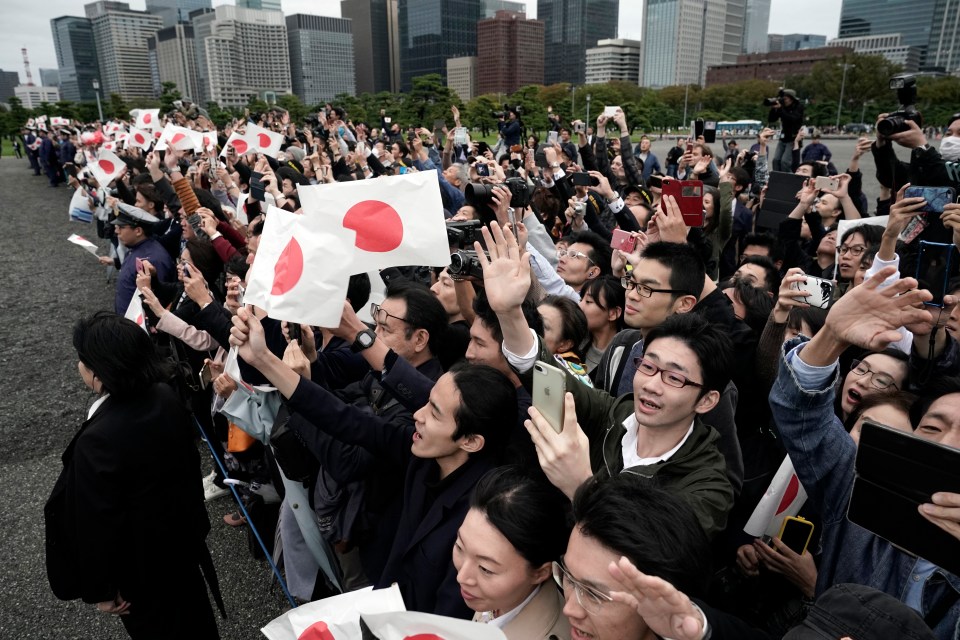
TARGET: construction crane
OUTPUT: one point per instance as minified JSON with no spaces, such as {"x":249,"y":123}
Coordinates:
{"x":26,"y":67}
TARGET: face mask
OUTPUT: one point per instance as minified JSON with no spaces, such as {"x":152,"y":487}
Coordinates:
{"x":950,"y":148}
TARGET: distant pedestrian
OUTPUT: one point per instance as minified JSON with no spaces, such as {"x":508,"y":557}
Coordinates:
{"x":17,"y":149}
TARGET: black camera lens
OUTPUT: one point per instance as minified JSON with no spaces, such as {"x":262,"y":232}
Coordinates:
{"x":891,"y":125}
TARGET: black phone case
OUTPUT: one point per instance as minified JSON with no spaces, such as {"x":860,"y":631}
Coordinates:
{"x":780,"y":200}
{"x":895,"y":474}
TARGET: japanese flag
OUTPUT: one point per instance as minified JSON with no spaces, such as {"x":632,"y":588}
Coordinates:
{"x":267,"y":142}
{"x":135,"y":311}
{"x":299,"y":274}
{"x":111,"y":128}
{"x":181,"y":138}
{"x":398,"y":219}
{"x":414,"y":625}
{"x":80,"y":241}
{"x":107,"y":167}
{"x":139,"y":138}
{"x":334,"y":618}
{"x":148,"y":119}
{"x":109,"y":145}
{"x":783,"y":498}
{"x":241,"y":143}
{"x":209,"y":140}
{"x":59,"y":122}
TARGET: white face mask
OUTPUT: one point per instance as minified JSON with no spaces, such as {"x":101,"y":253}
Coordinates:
{"x":950,"y":148}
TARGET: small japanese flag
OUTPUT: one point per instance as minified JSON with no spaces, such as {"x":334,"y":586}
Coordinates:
{"x":139,"y":138}
{"x":783,"y":498}
{"x":111,"y":128}
{"x":109,"y":145}
{"x":398,"y":219}
{"x":148,"y":119}
{"x":57,"y":121}
{"x":414,"y":625}
{"x":106,"y":168}
{"x":334,"y":618}
{"x":181,"y":138}
{"x":80,"y":241}
{"x":267,"y":142}
{"x":241,"y":143}
{"x":135,"y":311}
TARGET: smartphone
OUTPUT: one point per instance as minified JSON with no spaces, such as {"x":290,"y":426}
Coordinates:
{"x":553,"y":137}
{"x":257,"y":188}
{"x":698,"y":126}
{"x":482,"y":169}
{"x":826,"y":182}
{"x":934,"y":267}
{"x":139,"y":265}
{"x":655,"y":182}
{"x":295,"y":332}
{"x":819,"y":291}
{"x":540,"y":157}
{"x":623,"y":240}
{"x":936,"y":197}
{"x":610,"y":112}
{"x":689,"y":197}
{"x":186,"y":270}
{"x":206,"y":375}
{"x":549,"y":386}
{"x":709,"y":131}
{"x":689,"y":146}
{"x":460,"y":136}
{"x":512,"y":216}
{"x":795,"y":532}
{"x":583,"y":179}
{"x":403,"y":170}
{"x":580,"y":127}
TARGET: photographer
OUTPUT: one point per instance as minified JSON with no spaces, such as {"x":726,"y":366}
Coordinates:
{"x":509,"y":127}
{"x":789,"y":111}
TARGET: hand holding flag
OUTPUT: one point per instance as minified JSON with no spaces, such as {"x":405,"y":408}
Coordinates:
{"x":80,"y":241}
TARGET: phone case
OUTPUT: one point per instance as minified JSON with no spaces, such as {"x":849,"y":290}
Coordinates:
{"x":936,"y":197}
{"x":819,"y":291}
{"x":623,"y":240}
{"x":796,"y":532}
{"x":549,"y":386}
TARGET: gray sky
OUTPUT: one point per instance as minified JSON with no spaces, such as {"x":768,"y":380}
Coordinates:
{"x":23,"y":25}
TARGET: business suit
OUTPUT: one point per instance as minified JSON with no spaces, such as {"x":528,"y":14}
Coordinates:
{"x":127,"y":516}
{"x":541,"y":619}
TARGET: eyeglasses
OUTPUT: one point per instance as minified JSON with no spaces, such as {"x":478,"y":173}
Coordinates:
{"x":573,"y":254}
{"x":588,"y":597}
{"x":380,"y":315}
{"x":877,"y":380}
{"x":643,"y":290}
{"x":670,"y":378}
{"x":856,"y":250}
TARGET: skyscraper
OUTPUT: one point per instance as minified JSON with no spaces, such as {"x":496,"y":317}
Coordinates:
{"x":681,"y":38}
{"x":509,"y":53}
{"x":376,"y":44}
{"x":489,"y":8}
{"x":614,"y":60}
{"x":9,"y":80}
{"x":120,"y":36}
{"x":50,"y":77}
{"x":173,"y":55}
{"x":572,"y":27}
{"x":944,"y":51}
{"x":432,"y":31}
{"x":175,"y":11}
{"x":321,"y":57}
{"x":259,"y":5}
{"x":930,"y":25}
{"x":76,"y":57}
{"x":241,"y":53}
{"x":756,"y":25}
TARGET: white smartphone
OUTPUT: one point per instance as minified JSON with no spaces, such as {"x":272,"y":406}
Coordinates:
{"x":549,"y":387}
{"x":826,"y":182}
{"x":610,"y":112}
{"x":819,"y":291}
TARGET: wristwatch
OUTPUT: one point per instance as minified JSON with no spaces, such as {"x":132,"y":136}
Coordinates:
{"x":363,"y":341}
{"x":555,"y":165}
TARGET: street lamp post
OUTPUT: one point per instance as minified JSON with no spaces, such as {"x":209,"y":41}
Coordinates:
{"x":843,"y":85}
{"x":588,"y":108}
{"x":573,"y":99}
{"x":96,"y":87}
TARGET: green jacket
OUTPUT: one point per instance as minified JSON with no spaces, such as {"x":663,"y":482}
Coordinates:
{"x":697,"y":472}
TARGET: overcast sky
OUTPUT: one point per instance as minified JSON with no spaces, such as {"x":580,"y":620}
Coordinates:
{"x":23,"y":25}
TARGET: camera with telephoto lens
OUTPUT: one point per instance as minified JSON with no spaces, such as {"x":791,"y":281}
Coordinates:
{"x":464,"y":264}
{"x":771,"y":102}
{"x":896,"y":122}
{"x":464,"y":233}
{"x":479,"y":196}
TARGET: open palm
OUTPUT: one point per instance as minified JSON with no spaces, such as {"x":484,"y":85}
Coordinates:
{"x":506,"y":272}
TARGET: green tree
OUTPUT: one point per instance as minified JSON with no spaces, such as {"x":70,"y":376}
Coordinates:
{"x":19,"y":114}
{"x":116,"y":107}
{"x":168,"y":95}
{"x":294,"y":105}
{"x":478,"y":114}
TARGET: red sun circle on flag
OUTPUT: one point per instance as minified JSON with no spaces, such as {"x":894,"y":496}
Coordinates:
{"x":289,"y":268}
{"x":378,"y":225}
{"x":106,"y":165}
{"x":316,"y":631}
{"x":158,"y":134}
{"x":139,"y":138}
{"x":793,"y":488}
{"x":239,"y":146}
{"x":424,"y":636}
{"x":263,"y":140}
{"x":147,"y":117}
{"x":177,"y":138}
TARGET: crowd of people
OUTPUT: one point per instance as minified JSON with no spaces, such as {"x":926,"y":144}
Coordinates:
{"x":409,"y":449}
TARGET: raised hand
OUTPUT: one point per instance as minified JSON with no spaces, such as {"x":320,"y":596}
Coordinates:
{"x":665,"y":610}
{"x":565,"y":456}
{"x":506,"y":273}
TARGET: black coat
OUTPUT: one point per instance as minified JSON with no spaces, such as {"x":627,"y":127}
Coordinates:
{"x":127,"y":514}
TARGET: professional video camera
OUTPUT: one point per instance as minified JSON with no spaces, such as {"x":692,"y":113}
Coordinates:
{"x":896,"y":122}
{"x":478,"y":196}
{"x":507,"y":109}
{"x":464,"y":264}
{"x":771,"y":102}
{"x":463,"y":234}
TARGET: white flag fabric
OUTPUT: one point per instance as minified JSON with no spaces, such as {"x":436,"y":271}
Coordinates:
{"x":241,"y":144}
{"x":107,"y":167}
{"x":300,"y":275}
{"x":181,"y":138}
{"x":112,"y":128}
{"x":139,"y":138}
{"x":57,"y":121}
{"x":80,"y":241}
{"x":267,"y":142}
{"x":148,"y":119}
{"x":398,"y":219}
{"x":135,"y":311}
{"x":109,"y":145}
{"x":409,"y":625}
{"x":783,"y":498}
{"x":335,"y":618}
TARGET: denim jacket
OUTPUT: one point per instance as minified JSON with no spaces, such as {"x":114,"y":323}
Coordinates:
{"x":823,"y":455}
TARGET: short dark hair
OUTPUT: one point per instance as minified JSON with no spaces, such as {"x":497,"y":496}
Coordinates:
{"x":119,"y":353}
{"x":358,"y":291}
{"x":815,"y":318}
{"x":757,"y":303}
{"x":872,"y":234}
{"x":488,"y":406}
{"x":708,"y":342}
{"x":149,"y":193}
{"x":529,"y":511}
{"x":741,"y":177}
{"x":608,"y":293}
{"x":714,"y":221}
{"x":599,"y":253}
{"x":424,"y":311}
{"x":818,"y":169}
{"x":485,"y":314}
{"x":574,"y":321}
{"x":704,"y":149}
{"x":655,"y":529}
{"x":939,"y":387}
{"x":771,"y":275}
{"x":768,"y":240}
{"x":898,"y":399}
{"x":687,"y":272}
{"x":206,"y":259}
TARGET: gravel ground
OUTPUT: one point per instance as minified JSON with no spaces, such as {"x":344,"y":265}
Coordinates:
{"x":48,"y":284}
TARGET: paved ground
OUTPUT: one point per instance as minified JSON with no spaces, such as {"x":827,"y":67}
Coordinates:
{"x":47,"y":283}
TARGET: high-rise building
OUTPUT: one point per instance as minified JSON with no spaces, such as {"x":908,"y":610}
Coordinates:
{"x":241,"y":53}
{"x":376,"y":44}
{"x":173,"y":58}
{"x":509,"y":52}
{"x":799,"y":41}
{"x":887,"y":45}
{"x":432,"y":31}
{"x":489,"y":8}
{"x":260,"y":5}
{"x":175,"y":11}
{"x":50,"y":77}
{"x":120,"y":36}
{"x":756,"y":25}
{"x":462,"y":77}
{"x":76,"y":57}
{"x":944,"y":50}
{"x":774,"y":66}
{"x":614,"y":60}
{"x":9,"y":80}
{"x":572,"y":27}
{"x":32,"y":96}
{"x":774,"y":42}
{"x":321,"y":57}
{"x":681,"y":38}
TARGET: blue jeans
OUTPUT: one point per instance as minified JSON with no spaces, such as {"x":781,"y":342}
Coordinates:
{"x":783,"y":157}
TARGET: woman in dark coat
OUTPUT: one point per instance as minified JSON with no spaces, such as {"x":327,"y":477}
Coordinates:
{"x":126,"y":521}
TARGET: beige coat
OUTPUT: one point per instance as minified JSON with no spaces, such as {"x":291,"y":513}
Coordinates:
{"x":541,"y":619}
